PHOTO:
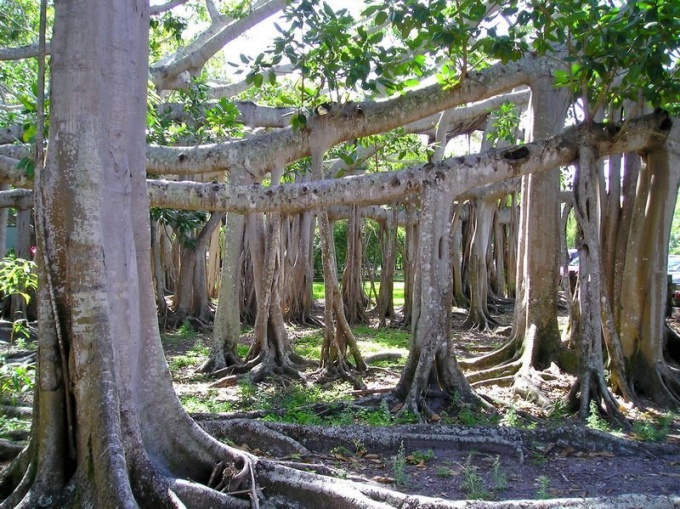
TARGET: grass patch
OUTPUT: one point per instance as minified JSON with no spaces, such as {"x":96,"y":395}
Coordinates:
{"x":193,"y":403}
{"x":8,"y":425}
{"x":309,"y":345}
{"x":193,"y":356}
{"x":397,"y":291}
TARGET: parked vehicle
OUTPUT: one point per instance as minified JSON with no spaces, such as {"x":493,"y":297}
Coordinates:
{"x":673,"y":282}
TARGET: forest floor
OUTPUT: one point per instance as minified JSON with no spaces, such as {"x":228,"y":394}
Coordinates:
{"x":520,"y":451}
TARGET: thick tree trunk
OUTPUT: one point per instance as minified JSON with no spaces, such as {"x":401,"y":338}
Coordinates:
{"x":109,"y":430}
{"x":432,"y":362}
{"x":536,"y":337}
{"x":642,"y":314}
{"x":191,"y":297}
{"x":227,"y":325}
{"x":592,"y":301}
{"x":459,"y":297}
{"x":338,"y":337}
{"x":482,"y":213}
{"x":299,"y":269}
{"x":158,"y":272}
{"x":388,"y":249}
{"x":410,"y":259}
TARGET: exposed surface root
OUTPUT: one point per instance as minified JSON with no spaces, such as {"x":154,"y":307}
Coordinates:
{"x":506,"y":369}
{"x":505,"y":352}
{"x":256,"y":435}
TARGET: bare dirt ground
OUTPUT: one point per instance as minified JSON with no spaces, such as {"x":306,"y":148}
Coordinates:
{"x":525,"y":452}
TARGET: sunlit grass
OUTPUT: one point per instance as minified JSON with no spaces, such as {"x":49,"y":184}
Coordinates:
{"x":205,"y":403}
{"x":398,"y":291}
{"x":8,"y":425}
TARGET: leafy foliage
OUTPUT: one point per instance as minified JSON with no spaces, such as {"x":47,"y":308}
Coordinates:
{"x":16,"y":380}
{"x":18,"y":277}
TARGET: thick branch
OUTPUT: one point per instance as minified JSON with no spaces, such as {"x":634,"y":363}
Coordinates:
{"x":457,"y":175}
{"x":155,"y":10}
{"x":21,"y":52}
{"x":257,"y":155}
{"x":16,"y":198}
{"x":193,"y":57}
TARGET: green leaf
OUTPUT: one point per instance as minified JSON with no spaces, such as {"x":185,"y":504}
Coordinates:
{"x":380,"y":18}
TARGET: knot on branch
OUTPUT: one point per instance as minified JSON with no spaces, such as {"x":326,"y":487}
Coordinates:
{"x":516,"y":154}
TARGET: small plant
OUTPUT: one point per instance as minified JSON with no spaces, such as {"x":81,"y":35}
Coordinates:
{"x":445,"y":472}
{"x":10,"y":425}
{"x":473,"y":484}
{"x":248,"y":393}
{"x":359,"y":446}
{"x":656,"y":431}
{"x":470,"y":417}
{"x":18,"y":277}
{"x":15,"y":381}
{"x":467,"y":417}
{"x":379,"y":417}
{"x":498,"y":478}
{"x":559,"y":411}
{"x":510,"y":419}
{"x":186,"y":331}
{"x":399,"y":467}
{"x":543,"y":483}
{"x":420,"y":457}
{"x":594,"y":420}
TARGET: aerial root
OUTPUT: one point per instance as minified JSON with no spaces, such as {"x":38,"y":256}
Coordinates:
{"x":235,"y":479}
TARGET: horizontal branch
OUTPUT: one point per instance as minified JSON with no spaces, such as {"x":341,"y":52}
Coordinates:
{"x":456,"y":175}
{"x":260,"y":154}
{"x":21,"y":52}
{"x":16,"y":198}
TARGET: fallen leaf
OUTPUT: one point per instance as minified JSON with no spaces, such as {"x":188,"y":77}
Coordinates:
{"x":382,"y":479}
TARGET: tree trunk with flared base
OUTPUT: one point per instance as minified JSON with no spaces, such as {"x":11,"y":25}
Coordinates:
{"x":536,"y":340}
{"x":641,"y":313}
{"x":431,"y":364}
{"x":191,"y":298}
{"x":104,"y":402}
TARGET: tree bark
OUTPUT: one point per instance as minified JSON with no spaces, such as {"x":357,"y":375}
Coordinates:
{"x":354,"y":297}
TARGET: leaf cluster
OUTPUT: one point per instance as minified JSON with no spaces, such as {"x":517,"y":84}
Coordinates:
{"x":18,"y":277}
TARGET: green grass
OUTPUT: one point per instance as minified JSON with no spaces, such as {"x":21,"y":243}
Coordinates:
{"x":197,"y":404}
{"x":10,"y":424}
{"x":194,"y":356}
{"x":398,"y":291}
